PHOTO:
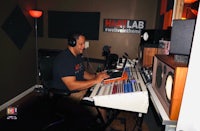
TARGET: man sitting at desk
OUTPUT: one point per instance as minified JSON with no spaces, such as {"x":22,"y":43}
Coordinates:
{"x":69,"y":72}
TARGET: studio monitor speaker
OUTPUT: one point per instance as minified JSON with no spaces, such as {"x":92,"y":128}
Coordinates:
{"x":182,"y":36}
{"x":146,"y":55}
{"x":168,"y":82}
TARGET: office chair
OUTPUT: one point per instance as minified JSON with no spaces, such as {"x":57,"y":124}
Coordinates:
{"x":51,"y":94}
{"x":111,"y":61}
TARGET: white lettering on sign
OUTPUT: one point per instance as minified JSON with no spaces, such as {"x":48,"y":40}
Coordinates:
{"x":123,"y":25}
{"x":135,"y":24}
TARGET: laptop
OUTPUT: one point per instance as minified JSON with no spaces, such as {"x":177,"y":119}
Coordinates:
{"x":116,"y":73}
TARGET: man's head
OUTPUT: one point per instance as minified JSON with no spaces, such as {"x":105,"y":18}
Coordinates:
{"x":76,"y":43}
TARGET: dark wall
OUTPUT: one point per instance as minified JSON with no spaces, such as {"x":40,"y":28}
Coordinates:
{"x":17,"y":49}
{"x":18,"y":65}
{"x":112,"y":9}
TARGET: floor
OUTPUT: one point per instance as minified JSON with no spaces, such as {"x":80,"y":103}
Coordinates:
{"x":35,"y":112}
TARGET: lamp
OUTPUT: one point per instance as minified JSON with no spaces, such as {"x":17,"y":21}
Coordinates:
{"x":36,"y":14}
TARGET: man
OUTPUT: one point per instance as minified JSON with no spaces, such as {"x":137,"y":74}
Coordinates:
{"x":69,"y":72}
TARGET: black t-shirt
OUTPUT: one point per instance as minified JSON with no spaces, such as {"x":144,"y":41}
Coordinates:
{"x":66,"y":64}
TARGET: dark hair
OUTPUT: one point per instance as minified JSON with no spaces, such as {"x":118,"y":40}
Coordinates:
{"x":75,"y":35}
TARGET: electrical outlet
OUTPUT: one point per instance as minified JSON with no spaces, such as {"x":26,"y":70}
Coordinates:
{"x":86,"y":44}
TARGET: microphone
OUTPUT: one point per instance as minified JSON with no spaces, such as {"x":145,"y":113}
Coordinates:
{"x":126,"y":54}
{"x":124,"y":57}
{"x":129,"y":59}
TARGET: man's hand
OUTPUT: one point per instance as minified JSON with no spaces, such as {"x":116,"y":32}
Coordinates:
{"x":101,"y":76}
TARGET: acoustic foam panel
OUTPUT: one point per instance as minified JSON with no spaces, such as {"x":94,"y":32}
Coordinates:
{"x":17,"y":27}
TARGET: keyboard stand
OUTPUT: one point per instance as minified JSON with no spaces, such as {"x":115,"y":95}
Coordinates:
{"x":111,"y":113}
{"x":100,"y":116}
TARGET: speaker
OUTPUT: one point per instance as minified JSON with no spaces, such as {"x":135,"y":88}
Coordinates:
{"x":168,"y":82}
{"x":182,"y":36}
{"x":146,"y":55}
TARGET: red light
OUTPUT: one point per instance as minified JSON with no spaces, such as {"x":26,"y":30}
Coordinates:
{"x":35,"y":13}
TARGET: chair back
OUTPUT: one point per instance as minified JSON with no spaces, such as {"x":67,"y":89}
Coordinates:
{"x":46,"y":58}
{"x":111,"y":61}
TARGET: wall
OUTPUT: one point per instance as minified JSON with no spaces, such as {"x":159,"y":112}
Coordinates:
{"x":114,"y":9}
{"x":18,"y":66}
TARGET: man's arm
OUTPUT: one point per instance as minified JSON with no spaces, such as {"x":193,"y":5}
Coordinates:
{"x":73,"y":84}
{"x":88,"y":76}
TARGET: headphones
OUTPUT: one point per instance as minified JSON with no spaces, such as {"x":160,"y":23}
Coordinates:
{"x":71,"y":42}
{"x":72,"y":39}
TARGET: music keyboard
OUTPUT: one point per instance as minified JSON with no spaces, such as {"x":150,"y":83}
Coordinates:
{"x":128,"y":95}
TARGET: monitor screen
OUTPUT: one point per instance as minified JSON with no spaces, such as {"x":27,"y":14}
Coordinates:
{"x":61,"y":24}
{"x":181,"y":37}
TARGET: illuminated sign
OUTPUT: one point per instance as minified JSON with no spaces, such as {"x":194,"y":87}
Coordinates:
{"x":123,"y":25}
